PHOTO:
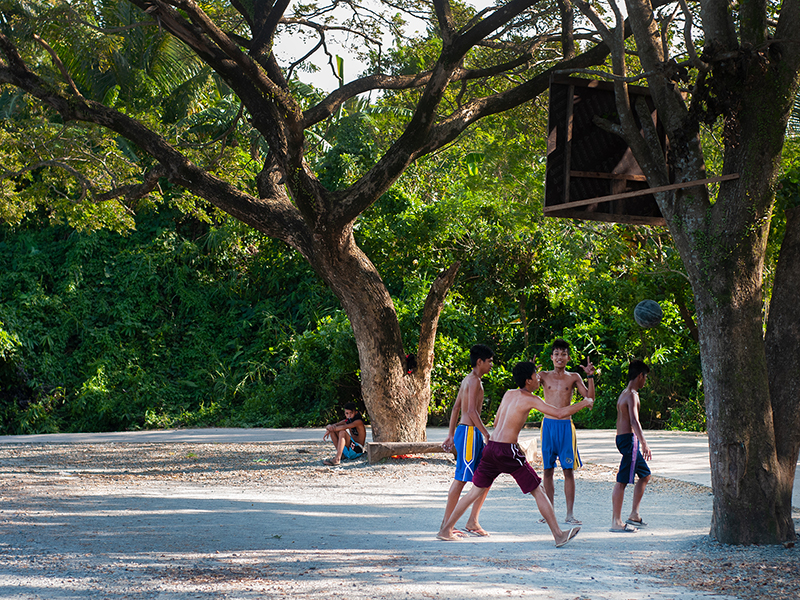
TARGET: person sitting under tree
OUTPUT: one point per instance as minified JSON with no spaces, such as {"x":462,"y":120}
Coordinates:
{"x":348,"y":436}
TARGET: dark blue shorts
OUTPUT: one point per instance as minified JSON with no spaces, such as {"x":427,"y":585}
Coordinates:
{"x":632,"y":462}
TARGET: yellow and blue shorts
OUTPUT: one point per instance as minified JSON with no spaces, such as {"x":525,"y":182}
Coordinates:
{"x":468,"y":441}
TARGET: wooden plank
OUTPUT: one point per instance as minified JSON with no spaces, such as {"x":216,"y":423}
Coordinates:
{"x":377,"y":451}
{"x":596,"y":175}
{"x":633,"y":194}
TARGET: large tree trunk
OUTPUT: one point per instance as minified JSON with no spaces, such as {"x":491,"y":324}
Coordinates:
{"x":749,"y":507}
{"x":744,"y":467}
{"x":396,"y":400}
{"x":723,"y":252}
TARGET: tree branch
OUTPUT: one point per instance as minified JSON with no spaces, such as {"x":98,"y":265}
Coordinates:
{"x":290,"y":108}
{"x":268,"y":16}
{"x":85,"y":183}
{"x":434,"y":303}
{"x":787,"y":29}
{"x":278,"y":218}
{"x":335,"y":99}
{"x":567,"y":28}
{"x":718,"y":25}
{"x":687,"y":37}
{"x":444,"y":16}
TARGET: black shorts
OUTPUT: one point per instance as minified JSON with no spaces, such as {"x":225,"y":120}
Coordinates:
{"x":632,"y":462}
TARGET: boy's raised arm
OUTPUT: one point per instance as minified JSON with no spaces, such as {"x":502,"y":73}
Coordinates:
{"x":583,"y":390}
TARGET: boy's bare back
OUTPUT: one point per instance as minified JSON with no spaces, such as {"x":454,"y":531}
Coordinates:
{"x":512,"y":414}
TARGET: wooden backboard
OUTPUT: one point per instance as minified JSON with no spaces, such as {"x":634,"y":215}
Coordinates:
{"x":588,"y":167}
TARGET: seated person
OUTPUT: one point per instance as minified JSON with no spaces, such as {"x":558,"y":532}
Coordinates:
{"x":348,"y":436}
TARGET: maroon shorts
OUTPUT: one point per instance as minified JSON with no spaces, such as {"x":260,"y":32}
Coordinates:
{"x":499,"y":457}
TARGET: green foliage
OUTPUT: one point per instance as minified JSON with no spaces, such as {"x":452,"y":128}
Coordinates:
{"x":108,"y":332}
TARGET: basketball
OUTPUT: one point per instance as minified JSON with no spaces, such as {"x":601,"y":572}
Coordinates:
{"x":648,"y":313}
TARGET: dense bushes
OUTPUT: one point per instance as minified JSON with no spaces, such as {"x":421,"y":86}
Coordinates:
{"x":104,"y":332}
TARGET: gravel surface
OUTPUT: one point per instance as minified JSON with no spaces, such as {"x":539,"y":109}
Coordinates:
{"x":267,"y":520}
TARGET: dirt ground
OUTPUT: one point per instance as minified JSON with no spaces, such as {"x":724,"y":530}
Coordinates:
{"x":267,"y":520}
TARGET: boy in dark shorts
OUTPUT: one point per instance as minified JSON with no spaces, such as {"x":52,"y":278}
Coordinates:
{"x":634,"y":450}
{"x":503,"y":454}
{"x":348,"y":435}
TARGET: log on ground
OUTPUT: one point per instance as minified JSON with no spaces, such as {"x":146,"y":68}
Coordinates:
{"x":377,"y":451}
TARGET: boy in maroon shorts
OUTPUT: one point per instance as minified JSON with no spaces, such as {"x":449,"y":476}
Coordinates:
{"x":503,"y":455}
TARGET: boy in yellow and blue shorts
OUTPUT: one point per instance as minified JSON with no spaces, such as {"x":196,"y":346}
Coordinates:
{"x":468,"y":437}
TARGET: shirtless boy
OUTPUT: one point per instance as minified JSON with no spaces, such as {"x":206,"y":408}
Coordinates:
{"x":503,"y":454}
{"x":634,"y":450}
{"x":467,"y":438}
{"x":348,"y":435}
{"x":558,"y":435}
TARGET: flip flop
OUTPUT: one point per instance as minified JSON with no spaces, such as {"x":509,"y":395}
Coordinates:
{"x":572,"y":533}
{"x":329,"y":462}
{"x":627,"y":529}
{"x":479,"y":532}
{"x":573,"y":521}
{"x":454,"y":538}
{"x":636,"y":523}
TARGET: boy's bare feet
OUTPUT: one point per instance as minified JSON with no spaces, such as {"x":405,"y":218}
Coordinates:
{"x":567,"y":536}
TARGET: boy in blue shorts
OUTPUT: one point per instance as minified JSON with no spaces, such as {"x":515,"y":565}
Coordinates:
{"x":467,"y":437}
{"x":348,"y":435}
{"x":558,"y":435}
{"x":634,"y":450}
